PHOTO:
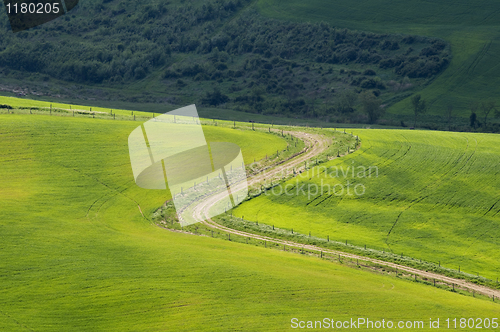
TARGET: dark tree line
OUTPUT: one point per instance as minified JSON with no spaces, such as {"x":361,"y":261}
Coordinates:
{"x":259,"y":64}
{"x":105,"y":44}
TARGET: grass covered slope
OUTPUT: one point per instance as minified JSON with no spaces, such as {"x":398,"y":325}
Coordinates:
{"x":217,"y":52}
{"x":31,"y":103}
{"x":76,"y":254}
{"x":472,"y":28}
{"x":436,"y":198}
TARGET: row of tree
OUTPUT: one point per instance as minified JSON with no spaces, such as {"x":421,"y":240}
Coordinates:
{"x":372,"y":107}
{"x":485,"y":109}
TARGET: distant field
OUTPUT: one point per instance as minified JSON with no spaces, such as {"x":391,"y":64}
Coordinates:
{"x":436,"y":198}
{"x":76,"y":254}
{"x":472,"y":28}
{"x":204,"y":112}
{"x":24,"y":102}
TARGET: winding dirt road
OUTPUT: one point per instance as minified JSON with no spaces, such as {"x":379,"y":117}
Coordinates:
{"x":315,"y":145}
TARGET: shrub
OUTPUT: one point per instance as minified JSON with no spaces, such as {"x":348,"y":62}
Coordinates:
{"x":215,"y":98}
{"x":268,"y":66}
{"x":428,"y":51}
{"x":394,"y":46}
{"x":385,"y":45}
{"x":170,"y":74}
{"x":387,"y":63}
{"x":369,"y":83}
{"x":409,"y":40}
{"x":369,"y":72}
{"x":139,"y":73}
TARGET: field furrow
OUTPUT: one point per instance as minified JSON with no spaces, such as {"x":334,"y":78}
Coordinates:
{"x":435,"y":197}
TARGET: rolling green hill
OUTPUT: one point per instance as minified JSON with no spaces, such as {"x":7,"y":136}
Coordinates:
{"x":77,"y":255}
{"x":472,"y":28}
{"x":220,"y":53}
{"x":288,"y":58}
{"x":436,"y":198}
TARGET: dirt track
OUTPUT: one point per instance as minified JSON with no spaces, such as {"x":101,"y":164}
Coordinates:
{"x":316,"y":144}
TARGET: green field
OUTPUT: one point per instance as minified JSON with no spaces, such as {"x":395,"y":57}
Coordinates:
{"x":472,"y":28}
{"x":28,"y":103}
{"x":76,"y":254}
{"x":146,"y":110}
{"x":436,"y":198}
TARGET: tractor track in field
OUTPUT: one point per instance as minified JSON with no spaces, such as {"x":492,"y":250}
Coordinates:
{"x":434,"y":185}
{"x":315,"y":145}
